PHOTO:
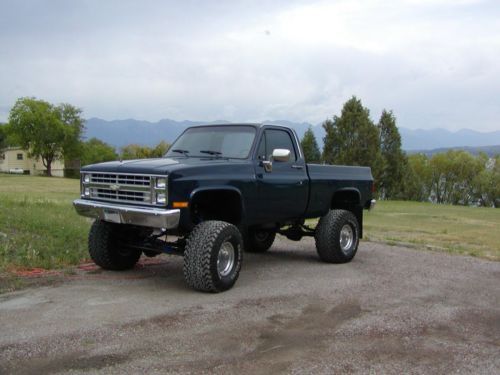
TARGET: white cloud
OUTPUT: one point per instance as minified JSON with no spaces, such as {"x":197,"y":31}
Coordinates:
{"x":434,"y":62}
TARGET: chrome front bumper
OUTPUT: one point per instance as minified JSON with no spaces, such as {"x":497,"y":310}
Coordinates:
{"x":116,"y":213}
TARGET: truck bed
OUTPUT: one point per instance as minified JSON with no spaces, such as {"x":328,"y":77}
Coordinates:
{"x":326,"y":180}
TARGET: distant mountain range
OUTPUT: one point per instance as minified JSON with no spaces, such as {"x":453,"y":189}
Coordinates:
{"x":427,"y":139}
{"x":122,"y":132}
{"x":488,"y":150}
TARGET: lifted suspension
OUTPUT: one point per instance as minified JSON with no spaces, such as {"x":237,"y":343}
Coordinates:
{"x":297,"y":231}
{"x":156,"y":244}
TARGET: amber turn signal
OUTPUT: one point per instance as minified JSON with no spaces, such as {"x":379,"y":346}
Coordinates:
{"x":180,"y":204}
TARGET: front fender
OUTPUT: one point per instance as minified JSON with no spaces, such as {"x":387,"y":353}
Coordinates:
{"x":214,"y":188}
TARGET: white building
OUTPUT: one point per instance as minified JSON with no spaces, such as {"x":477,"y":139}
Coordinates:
{"x":15,"y":160}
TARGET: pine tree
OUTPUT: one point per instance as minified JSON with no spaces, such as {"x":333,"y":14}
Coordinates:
{"x":394,"y":159}
{"x":310,"y":147}
{"x":352,"y":138}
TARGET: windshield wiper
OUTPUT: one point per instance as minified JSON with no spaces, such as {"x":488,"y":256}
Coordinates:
{"x":216,"y":153}
{"x":180,"y":151}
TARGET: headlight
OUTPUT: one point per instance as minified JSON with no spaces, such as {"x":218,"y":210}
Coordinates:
{"x":161,"y":198}
{"x":161,"y":183}
{"x":86,"y":192}
{"x":86,"y":178}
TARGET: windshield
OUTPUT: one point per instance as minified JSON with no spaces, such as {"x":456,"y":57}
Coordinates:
{"x":232,"y":142}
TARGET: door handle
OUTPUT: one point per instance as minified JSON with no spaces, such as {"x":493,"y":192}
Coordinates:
{"x":295,"y":166}
{"x":268,"y":166}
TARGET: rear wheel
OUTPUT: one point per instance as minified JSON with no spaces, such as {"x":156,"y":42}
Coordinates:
{"x":337,"y":236}
{"x":213,"y":256}
{"x":259,"y":240}
{"x":108,"y":245}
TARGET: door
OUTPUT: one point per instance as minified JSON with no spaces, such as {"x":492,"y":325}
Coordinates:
{"x":283,"y":191}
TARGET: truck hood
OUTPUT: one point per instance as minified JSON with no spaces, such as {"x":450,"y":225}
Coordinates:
{"x":151,"y":166}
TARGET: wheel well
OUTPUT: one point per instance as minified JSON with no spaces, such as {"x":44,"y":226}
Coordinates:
{"x":222,"y":205}
{"x":349,"y":200}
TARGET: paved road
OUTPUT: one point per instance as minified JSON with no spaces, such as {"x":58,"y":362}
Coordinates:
{"x":392,"y":310}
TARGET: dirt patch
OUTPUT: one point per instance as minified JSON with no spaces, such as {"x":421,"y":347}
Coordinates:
{"x":297,"y":336}
{"x":21,"y":278}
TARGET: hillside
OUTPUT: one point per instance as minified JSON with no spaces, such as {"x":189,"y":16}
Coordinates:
{"x":122,"y":132}
{"x":428,"y":139}
{"x":488,"y":150}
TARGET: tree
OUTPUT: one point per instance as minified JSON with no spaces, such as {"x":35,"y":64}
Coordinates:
{"x":452,"y":176}
{"x":3,"y":136}
{"x":74,"y":126}
{"x":394,"y":159}
{"x":441,"y":178}
{"x":352,"y":138}
{"x":310,"y":147}
{"x":135,"y":151}
{"x":46,"y":131}
{"x":417,"y":178}
{"x":160,"y":149}
{"x":487,"y":182}
{"x":96,"y":151}
{"x":465,"y":167}
{"x":494,"y":186}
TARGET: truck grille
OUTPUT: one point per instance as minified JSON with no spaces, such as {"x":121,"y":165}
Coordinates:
{"x":121,"y":195}
{"x":126,"y":188}
{"x":120,"y":179}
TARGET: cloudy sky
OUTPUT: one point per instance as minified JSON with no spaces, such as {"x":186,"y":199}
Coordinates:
{"x":435,"y":63}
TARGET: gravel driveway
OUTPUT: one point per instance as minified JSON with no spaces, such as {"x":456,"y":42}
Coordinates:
{"x":391,"y":310}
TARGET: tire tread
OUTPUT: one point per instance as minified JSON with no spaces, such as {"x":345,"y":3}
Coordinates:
{"x":103,"y":248}
{"x":197,"y":267}
{"x":326,"y":236}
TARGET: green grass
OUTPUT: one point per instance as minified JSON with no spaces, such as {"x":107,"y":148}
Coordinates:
{"x":471,"y":231}
{"x":38,"y":225}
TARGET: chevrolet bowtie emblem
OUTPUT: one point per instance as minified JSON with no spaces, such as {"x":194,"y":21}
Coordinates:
{"x":114,"y":187}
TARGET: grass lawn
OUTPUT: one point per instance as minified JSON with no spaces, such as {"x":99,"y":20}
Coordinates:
{"x":39,"y":227}
{"x":472,"y":231}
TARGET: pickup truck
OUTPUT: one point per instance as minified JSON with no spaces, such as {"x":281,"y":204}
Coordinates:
{"x":219,"y":190}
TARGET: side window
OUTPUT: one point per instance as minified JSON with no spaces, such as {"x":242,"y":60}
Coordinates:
{"x":279,"y":139}
{"x":261,"y":151}
{"x":19,"y":156}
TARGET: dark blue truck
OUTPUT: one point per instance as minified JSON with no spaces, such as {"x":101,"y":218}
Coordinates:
{"x":218,"y":190}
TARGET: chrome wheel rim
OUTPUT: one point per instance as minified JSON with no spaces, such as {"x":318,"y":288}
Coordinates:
{"x":225,"y":259}
{"x":346,"y":238}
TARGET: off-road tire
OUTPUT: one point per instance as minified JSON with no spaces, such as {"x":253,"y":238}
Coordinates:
{"x":201,"y":254}
{"x":255,"y":242}
{"x":328,"y":236}
{"x":107,"y":248}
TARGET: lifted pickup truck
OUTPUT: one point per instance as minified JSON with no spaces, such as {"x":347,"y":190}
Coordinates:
{"x":218,"y":190}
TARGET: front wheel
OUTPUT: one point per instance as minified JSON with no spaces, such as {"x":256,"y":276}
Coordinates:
{"x":108,"y":246}
{"x":337,"y":236}
{"x":213,"y":256}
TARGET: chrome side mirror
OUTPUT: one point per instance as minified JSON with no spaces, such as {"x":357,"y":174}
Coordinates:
{"x":281,"y":154}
